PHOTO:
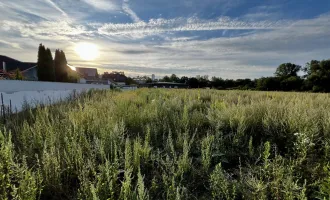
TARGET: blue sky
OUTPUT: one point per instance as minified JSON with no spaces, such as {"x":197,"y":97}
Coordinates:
{"x":226,"y":38}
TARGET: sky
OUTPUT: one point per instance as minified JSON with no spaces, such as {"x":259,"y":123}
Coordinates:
{"x":224,"y":38}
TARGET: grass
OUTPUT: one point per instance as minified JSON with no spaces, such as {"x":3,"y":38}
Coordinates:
{"x":170,"y":144}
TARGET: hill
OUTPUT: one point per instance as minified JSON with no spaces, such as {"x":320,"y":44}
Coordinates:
{"x":12,"y":64}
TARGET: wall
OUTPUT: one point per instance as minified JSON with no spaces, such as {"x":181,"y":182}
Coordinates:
{"x":35,"y":92}
{"x":16,"y":86}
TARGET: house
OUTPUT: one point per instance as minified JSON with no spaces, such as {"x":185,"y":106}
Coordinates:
{"x":88,"y":73}
{"x":31,"y":73}
{"x":9,"y":65}
{"x":140,"y":80}
{"x":118,"y":77}
{"x":89,"y":76}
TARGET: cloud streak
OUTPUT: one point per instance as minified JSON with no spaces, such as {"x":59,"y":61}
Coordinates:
{"x":57,"y":7}
{"x":104,"y":5}
{"x":156,"y":26}
{"x":130,"y":12}
{"x":14,"y":45}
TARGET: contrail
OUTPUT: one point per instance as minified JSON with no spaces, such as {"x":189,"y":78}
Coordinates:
{"x":129,"y":11}
{"x":56,"y":7}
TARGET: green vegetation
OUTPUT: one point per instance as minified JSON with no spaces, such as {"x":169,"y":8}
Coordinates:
{"x":170,"y":144}
{"x":18,"y":75}
{"x":315,"y":78}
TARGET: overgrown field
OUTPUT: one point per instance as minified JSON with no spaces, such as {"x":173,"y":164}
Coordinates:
{"x":170,"y":144}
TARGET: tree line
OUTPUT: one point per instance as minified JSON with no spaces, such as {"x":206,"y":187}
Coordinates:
{"x":316,"y":78}
{"x":54,"y":70}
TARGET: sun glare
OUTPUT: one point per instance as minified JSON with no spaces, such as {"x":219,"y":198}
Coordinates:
{"x":87,"y":51}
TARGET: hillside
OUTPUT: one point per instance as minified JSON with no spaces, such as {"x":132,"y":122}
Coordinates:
{"x":12,"y":64}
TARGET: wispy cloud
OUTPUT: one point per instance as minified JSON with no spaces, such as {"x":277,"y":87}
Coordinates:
{"x":126,"y":8}
{"x":46,"y":30}
{"x":156,"y":26}
{"x":105,"y":5}
{"x":12,"y":44}
{"x":57,"y":7}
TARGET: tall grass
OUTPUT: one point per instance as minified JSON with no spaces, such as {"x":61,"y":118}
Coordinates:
{"x":170,"y":144}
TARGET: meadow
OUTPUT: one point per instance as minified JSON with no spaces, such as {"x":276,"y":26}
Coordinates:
{"x":169,"y":144}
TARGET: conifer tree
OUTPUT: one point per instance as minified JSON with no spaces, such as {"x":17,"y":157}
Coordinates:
{"x":45,"y":64}
{"x":41,"y":67}
{"x":61,"y":69}
{"x":50,"y":66}
{"x":18,"y":75}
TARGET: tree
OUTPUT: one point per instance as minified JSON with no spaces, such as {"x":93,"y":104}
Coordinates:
{"x":45,"y":64}
{"x":217,"y":83}
{"x":18,"y":75}
{"x":130,"y":81}
{"x":41,"y":63}
{"x":61,"y":69}
{"x":184,"y":79}
{"x":148,"y":80}
{"x":318,"y":75}
{"x":50,"y":71}
{"x":268,"y":84}
{"x":203,"y":81}
{"x":166,"y":79}
{"x":193,"y":82}
{"x":174,"y":78}
{"x":293,"y":83}
{"x":287,"y":70}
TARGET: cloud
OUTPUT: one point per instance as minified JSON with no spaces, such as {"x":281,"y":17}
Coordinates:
{"x":105,"y":5}
{"x":57,"y":7}
{"x":134,"y":51}
{"x":244,"y":56}
{"x":26,"y":11}
{"x":46,"y":30}
{"x":14,"y":45}
{"x":157,"y":26}
{"x":130,"y":12}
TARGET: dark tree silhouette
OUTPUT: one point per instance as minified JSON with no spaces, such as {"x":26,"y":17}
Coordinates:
{"x":318,"y":75}
{"x":45,"y":64}
{"x":61,"y":68}
{"x":287,"y":70}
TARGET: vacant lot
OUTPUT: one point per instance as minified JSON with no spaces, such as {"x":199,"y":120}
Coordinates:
{"x":170,"y":144}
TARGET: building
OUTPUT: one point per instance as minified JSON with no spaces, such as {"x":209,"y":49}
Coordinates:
{"x":118,"y":77}
{"x":153,"y":77}
{"x":31,"y":73}
{"x":140,"y":80}
{"x":9,"y":65}
{"x":89,"y":76}
{"x":88,"y":73}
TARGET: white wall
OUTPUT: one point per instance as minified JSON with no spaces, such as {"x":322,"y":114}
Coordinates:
{"x":16,"y":86}
{"x":35,"y":92}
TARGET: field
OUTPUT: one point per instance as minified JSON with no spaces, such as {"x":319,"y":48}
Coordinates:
{"x":169,"y":144}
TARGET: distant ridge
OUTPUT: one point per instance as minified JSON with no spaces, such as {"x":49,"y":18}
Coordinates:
{"x":13,"y":64}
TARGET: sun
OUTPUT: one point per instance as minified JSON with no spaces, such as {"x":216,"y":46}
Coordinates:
{"x":87,"y":51}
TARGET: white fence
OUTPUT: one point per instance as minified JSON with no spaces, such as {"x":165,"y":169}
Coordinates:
{"x":34,"y":92}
